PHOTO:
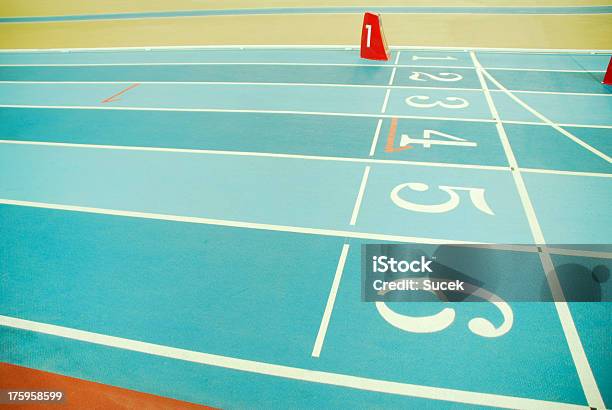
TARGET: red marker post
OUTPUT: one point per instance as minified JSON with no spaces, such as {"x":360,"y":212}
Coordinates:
{"x":373,"y":42}
{"x":608,"y":77}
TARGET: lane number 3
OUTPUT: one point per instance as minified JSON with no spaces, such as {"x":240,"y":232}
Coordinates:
{"x":451,"y":102}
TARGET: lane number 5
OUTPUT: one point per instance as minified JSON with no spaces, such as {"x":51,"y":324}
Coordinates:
{"x":477,"y":196}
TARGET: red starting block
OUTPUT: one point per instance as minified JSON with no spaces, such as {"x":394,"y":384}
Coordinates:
{"x":373,"y":42}
{"x":608,"y":77}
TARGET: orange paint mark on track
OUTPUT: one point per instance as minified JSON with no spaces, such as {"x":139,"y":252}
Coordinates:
{"x":390,"y":146}
{"x":82,"y":394}
{"x":125,"y":90}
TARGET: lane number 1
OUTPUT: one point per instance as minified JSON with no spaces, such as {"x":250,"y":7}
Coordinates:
{"x":415,"y":58}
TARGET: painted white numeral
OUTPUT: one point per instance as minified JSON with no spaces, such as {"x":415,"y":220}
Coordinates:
{"x":417,"y":324}
{"x":459,"y":102}
{"x":416,"y":76}
{"x":369,"y":28}
{"x":444,"y":318}
{"x":428,"y":142}
{"x":477,"y":196}
{"x":415,"y":58}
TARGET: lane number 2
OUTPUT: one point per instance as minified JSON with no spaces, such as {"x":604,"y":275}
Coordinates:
{"x":417,"y":76}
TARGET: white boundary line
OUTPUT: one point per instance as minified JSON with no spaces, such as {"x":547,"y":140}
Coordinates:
{"x":302,"y":230}
{"x":331,"y":300}
{"x":392,"y":77}
{"x":322,"y":113}
{"x":238,"y":224}
{"x":562,"y":125}
{"x":298,"y":64}
{"x":312,"y":46}
{"x":281,"y":112}
{"x":366,"y":171}
{"x":307,"y":157}
{"x":257,"y":154}
{"x":395,"y":62}
{"x":547,"y":121}
{"x":384,"y":106}
{"x":364,"y":181}
{"x":307,"y":375}
{"x":585,"y":374}
{"x":579,"y":252}
{"x":581,"y":361}
{"x":231,"y":63}
{"x":296,"y":84}
{"x":561,"y":172}
{"x":375,"y":139}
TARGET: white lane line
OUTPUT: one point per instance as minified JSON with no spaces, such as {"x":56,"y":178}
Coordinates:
{"x":578,"y":252}
{"x":581,"y":361}
{"x":556,"y":93}
{"x":306,"y":157}
{"x":397,"y":56}
{"x":546,"y":120}
{"x":331,"y":300}
{"x":392,"y":76}
{"x":321,"y":113}
{"x":383,"y":109}
{"x":264,"y":84}
{"x":205,"y":63}
{"x":295,"y":373}
{"x":339,"y":47}
{"x":213,"y":63}
{"x":237,"y":224}
{"x":359,"y":199}
{"x":572,"y":173}
{"x":384,"y":106}
{"x":303,"y":230}
{"x":254,"y":154}
{"x":561,"y":125}
{"x":297,"y":84}
{"x":545,"y":70}
{"x":375,"y":139}
{"x":585,"y":374}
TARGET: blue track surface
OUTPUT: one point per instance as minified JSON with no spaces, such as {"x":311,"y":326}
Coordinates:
{"x":202,"y":199}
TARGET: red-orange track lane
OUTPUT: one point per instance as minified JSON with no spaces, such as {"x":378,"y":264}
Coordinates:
{"x":82,"y":394}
